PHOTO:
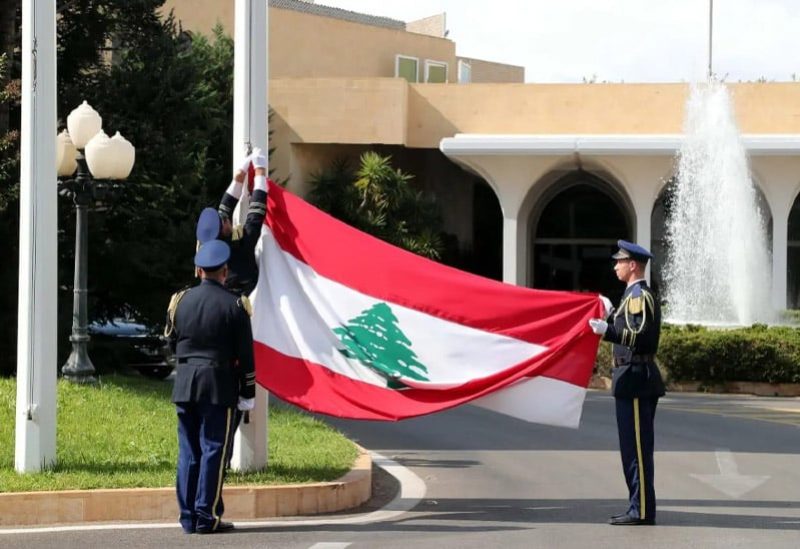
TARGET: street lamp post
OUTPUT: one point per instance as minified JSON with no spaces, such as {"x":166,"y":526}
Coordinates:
{"x":100,"y":162}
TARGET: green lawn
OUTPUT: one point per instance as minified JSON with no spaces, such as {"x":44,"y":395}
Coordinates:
{"x":123,"y":434}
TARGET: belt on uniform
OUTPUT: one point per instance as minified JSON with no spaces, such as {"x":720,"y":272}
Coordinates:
{"x":634,"y":359}
{"x":197,"y":360}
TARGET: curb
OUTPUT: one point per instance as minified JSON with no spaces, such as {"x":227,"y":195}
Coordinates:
{"x":159,"y":504}
{"x":730,"y":387}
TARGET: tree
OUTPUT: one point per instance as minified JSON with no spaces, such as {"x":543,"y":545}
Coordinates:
{"x":9,"y":212}
{"x":375,"y":339}
{"x":381,"y":201}
{"x":170,"y":94}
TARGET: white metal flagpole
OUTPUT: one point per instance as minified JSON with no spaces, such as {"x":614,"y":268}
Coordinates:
{"x":250,"y":103}
{"x":35,"y":438}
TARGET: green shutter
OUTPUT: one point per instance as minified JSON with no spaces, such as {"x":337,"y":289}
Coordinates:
{"x":407,"y":68}
{"x":437,"y":74}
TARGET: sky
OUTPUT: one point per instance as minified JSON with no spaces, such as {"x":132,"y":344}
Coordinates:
{"x":616,"y":40}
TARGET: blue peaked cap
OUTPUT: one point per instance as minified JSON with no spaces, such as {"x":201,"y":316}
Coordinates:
{"x":212,"y":255}
{"x":629,"y":250}
{"x":208,"y":225}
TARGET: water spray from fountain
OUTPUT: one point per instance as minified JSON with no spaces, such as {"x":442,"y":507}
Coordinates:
{"x":718,"y":269}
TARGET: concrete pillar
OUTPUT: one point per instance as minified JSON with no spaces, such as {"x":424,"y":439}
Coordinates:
{"x":35,"y":433}
{"x":643,"y":211}
{"x":250,"y":104}
{"x":780,"y":232}
{"x":513,"y":254}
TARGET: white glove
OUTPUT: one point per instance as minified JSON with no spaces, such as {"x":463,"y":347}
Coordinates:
{"x":258,"y":159}
{"x":246,"y":404}
{"x":598,"y":326}
{"x":244,"y":164}
{"x":607,"y":304}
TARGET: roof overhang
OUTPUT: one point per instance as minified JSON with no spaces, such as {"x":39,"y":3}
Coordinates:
{"x":469,"y":144}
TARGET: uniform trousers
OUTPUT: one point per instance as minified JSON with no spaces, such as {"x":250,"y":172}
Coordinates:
{"x":635,"y":418}
{"x":204,"y":431}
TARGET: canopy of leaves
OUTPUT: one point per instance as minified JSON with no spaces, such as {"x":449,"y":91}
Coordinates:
{"x":170,"y":94}
{"x":380,"y":200}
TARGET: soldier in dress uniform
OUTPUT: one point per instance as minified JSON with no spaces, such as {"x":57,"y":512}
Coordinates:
{"x":210,"y":332}
{"x":634,"y":329}
{"x":242,"y":266}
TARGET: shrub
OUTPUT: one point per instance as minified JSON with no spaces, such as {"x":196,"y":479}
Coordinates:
{"x":758,"y":353}
{"x":712,"y":356}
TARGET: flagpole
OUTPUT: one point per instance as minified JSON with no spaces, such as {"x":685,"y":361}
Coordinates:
{"x":250,"y":103}
{"x":35,"y":433}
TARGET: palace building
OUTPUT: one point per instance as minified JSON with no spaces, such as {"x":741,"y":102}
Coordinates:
{"x":536,"y":181}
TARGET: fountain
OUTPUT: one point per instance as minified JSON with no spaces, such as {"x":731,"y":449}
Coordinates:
{"x":718,"y":268}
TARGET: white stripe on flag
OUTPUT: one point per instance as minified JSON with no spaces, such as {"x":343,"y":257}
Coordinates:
{"x":539,"y":399}
{"x":302,"y":309}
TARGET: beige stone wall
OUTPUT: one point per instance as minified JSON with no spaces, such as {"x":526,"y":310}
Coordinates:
{"x":306,"y":45}
{"x":488,"y":71}
{"x":435,"y":25}
{"x":373,"y":110}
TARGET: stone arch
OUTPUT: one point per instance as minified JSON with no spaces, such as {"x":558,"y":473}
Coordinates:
{"x":661,"y":211}
{"x":575,"y":218}
{"x":793,"y":254}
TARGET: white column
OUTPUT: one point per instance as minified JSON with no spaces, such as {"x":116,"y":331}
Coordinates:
{"x":250,"y":104}
{"x":643,"y":213}
{"x":511,"y":259}
{"x":35,"y":434}
{"x":780,"y":232}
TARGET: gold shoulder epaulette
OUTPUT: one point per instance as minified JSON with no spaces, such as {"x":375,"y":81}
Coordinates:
{"x":196,"y":270}
{"x":171,"y":308}
{"x":649,"y":300}
{"x":635,"y":305}
{"x":244,"y":303}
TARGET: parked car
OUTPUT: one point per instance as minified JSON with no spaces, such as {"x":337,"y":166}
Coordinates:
{"x":122,"y":343}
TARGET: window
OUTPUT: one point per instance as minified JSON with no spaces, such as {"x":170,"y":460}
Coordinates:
{"x":464,"y":72}
{"x":435,"y":71}
{"x":406,"y":67}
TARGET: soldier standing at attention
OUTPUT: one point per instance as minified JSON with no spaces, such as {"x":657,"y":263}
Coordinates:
{"x":634,"y":329}
{"x":210,"y":332}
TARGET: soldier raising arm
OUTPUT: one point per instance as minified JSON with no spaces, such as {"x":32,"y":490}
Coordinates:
{"x":243,"y":269}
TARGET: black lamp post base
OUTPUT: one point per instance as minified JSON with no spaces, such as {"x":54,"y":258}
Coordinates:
{"x":79,"y":368}
{"x":81,"y":380}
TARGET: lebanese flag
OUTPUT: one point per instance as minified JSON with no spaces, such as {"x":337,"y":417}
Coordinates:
{"x":350,"y":326}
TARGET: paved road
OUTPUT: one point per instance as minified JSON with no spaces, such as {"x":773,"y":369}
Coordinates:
{"x":727,"y":475}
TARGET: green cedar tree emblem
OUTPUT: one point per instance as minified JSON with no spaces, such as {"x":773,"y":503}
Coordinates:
{"x":375,"y":339}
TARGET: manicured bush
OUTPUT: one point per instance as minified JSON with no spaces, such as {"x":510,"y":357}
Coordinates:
{"x":718,"y":355}
{"x":758,"y":353}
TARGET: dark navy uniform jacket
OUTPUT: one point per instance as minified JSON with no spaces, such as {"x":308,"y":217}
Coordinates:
{"x":634,"y":329}
{"x":242,"y":267}
{"x":213,"y":344}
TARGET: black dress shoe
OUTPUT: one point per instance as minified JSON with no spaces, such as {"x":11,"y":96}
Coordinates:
{"x":626,"y":520}
{"x":221,"y":527}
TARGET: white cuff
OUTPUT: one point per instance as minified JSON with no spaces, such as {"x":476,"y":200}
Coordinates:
{"x":235,"y":189}
{"x":260,"y":183}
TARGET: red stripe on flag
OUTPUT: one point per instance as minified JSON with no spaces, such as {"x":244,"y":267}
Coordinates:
{"x":368,"y":265}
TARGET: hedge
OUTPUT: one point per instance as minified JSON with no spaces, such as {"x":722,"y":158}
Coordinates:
{"x":717,"y":355}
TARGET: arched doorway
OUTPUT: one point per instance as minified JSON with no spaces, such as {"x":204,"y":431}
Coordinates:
{"x":575,"y":233}
{"x":793,"y":257}
{"x":662,"y":209}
